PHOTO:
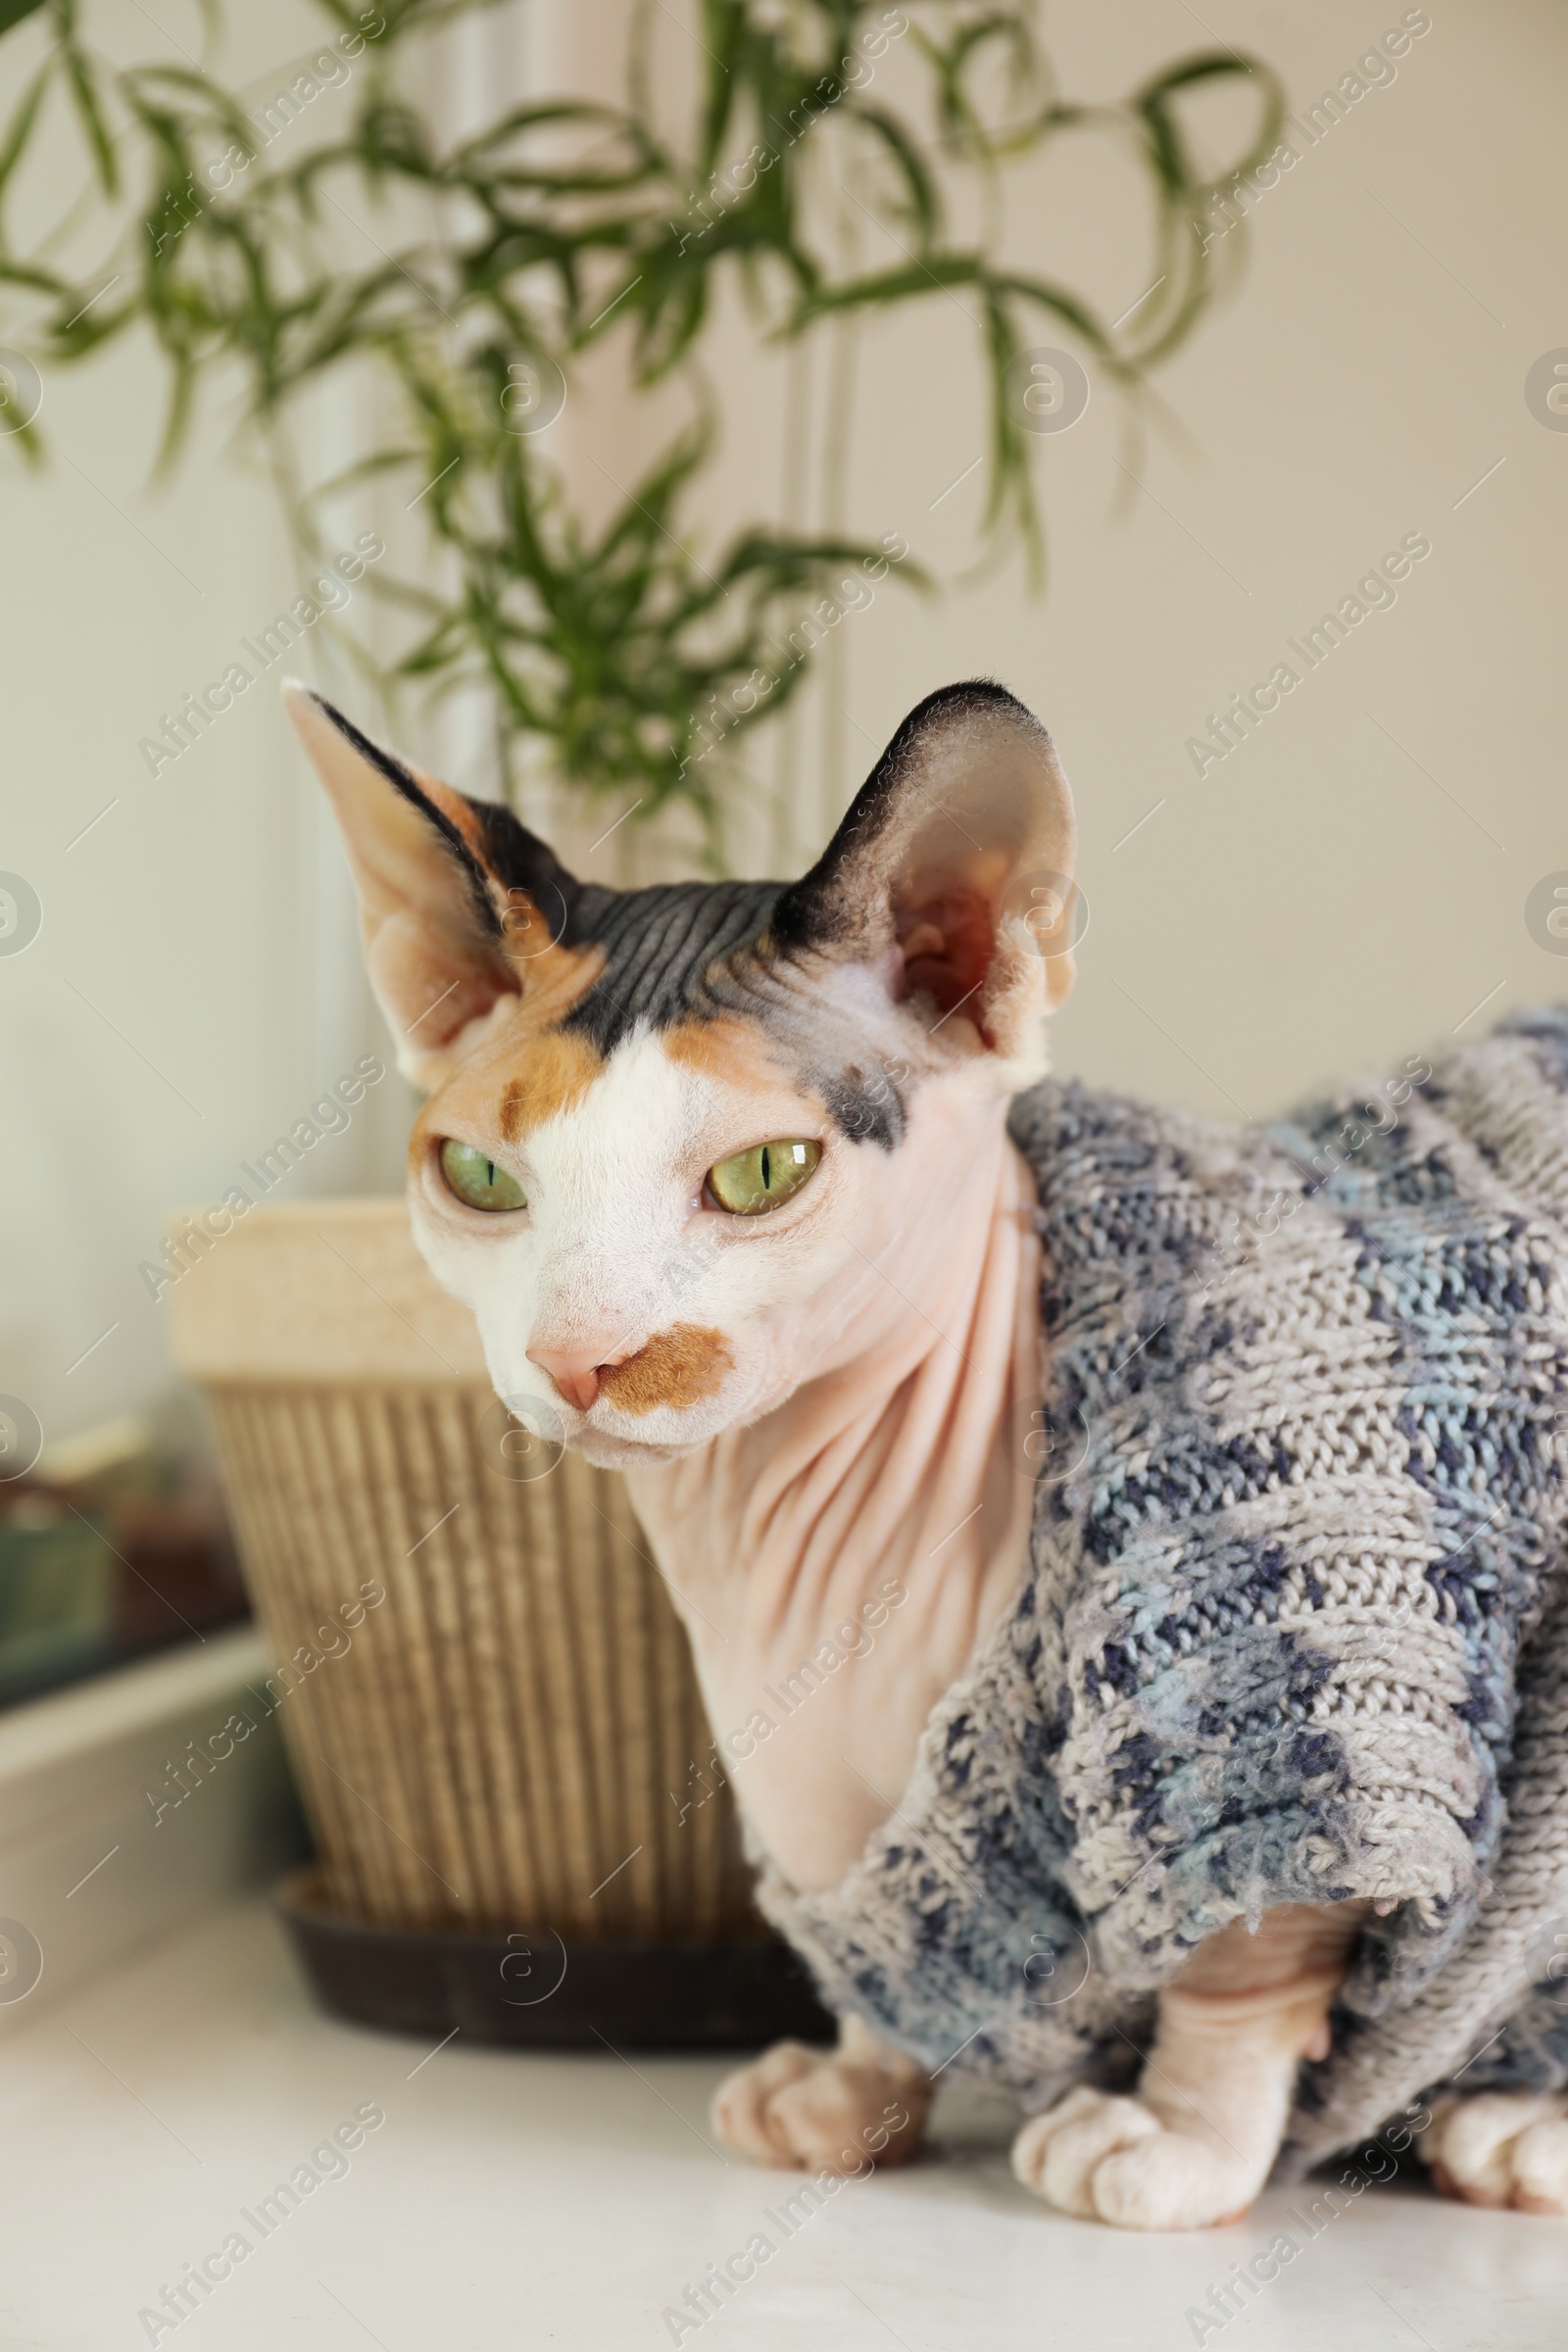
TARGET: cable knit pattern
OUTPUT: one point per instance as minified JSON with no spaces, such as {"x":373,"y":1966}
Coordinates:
{"x":1304,"y":1483}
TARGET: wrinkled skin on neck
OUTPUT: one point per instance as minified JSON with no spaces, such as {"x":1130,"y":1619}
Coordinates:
{"x":881,"y":1509}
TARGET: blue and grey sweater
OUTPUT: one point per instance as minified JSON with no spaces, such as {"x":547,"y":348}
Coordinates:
{"x":1292,"y":1629}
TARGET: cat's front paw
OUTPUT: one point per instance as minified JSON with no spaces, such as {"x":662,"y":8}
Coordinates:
{"x":1502,"y":2147}
{"x":1104,"y":2158}
{"x":822,"y":2112}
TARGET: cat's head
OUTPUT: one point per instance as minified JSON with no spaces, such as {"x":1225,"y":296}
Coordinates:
{"x":670,"y":1132}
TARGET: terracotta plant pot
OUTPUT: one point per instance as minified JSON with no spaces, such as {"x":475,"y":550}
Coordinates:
{"x":485,"y":1692}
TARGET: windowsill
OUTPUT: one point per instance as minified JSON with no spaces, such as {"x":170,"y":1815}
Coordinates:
{"x":84,"y":1864}
{"x":86,"y":1715}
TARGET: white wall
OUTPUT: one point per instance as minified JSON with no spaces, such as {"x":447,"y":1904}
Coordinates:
{"x":194,"y":984}
{"x":1320,"y":900}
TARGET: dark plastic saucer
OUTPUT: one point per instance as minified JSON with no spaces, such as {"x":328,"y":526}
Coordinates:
{"x":528,"y":1988}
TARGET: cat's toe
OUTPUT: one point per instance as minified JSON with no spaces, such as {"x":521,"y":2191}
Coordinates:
{"x":1056,"y":2154}
{"x":1167,"y":2182}
{"x":1502,"y":2148}
{"x":1103,"y":2157}
{"x":1541,"y":2167}
{"x":820,"y":2113}
{"x":741,"y":2112}
{"x":839,"y":2116}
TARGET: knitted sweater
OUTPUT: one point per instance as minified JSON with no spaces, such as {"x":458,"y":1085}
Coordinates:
{"x":1290,"y":1630}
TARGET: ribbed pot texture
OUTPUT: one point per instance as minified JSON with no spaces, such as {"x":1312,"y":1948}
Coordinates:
{"x":511,"y":1733}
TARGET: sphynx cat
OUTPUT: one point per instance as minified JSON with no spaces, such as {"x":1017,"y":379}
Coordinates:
{"x":799,"y":1093}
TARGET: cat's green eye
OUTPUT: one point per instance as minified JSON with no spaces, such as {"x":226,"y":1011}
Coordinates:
{"x":749,"y":1182}
{"x":477,"y":1180}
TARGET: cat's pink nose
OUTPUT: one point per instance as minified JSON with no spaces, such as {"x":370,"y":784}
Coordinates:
{"x":576,"y":1373}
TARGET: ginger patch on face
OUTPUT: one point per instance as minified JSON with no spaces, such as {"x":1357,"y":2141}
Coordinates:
{"x":557,"y":1074}
{"x":678,"y":1367}
{"x":731,"y":1051}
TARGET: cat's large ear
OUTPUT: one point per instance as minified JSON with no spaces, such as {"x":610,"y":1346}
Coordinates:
{"x":458,"y":902}
{"x":953,"y":868}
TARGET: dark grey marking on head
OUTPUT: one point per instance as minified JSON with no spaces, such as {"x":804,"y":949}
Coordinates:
{"x":867,"y":1112}
{"x":520,"y":860}
{"x":666,"y":950}
{"x":694,"y":952}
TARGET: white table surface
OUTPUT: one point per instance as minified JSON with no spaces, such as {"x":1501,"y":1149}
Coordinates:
{"x":514,"y":2201}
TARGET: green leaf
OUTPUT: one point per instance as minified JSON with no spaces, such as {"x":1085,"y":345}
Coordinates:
{"x":78,"y":72}
{"x":923,"y":201}
{"x":12,"y":12}
{"x":20,"y":129}
{"x":1166,"y":147}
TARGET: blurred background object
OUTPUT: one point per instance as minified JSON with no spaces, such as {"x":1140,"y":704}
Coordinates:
{"x":115,"y":1545}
